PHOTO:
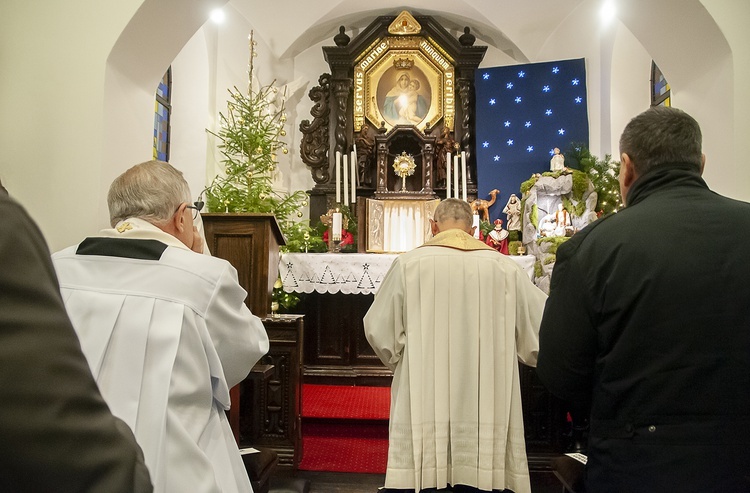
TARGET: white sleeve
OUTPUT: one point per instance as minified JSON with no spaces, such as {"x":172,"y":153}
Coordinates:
{"x":384,"y":321}
{"x":238,"y":336}
{"x":530,"y":302}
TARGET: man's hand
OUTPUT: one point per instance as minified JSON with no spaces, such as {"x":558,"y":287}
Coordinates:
{"x":197,"y":245}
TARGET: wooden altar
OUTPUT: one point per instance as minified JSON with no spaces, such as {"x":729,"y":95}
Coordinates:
{"x":403,"y":85}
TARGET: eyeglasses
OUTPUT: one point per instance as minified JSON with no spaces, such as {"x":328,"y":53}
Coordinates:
{"x":197,"y":206}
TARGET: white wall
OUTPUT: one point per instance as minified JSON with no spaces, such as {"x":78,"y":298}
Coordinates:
{"x":78,"y":81}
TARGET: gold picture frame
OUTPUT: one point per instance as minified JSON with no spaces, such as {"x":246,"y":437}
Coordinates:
{"x":404,"y":81}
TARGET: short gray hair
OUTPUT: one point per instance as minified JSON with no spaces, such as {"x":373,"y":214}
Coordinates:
{"x":152,"y":191}
{"x":454,"y":210}
{"x":662,"y":136}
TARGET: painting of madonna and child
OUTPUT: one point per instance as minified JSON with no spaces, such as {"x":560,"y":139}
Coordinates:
{"x":404,"y":96}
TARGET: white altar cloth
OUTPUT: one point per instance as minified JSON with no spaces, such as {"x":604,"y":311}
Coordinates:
{"x":348,"y":273}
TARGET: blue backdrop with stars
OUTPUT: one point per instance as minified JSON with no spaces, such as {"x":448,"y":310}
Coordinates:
{"x":523,"y":112}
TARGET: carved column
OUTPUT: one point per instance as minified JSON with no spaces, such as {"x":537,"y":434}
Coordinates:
{"x":427,"y":158}
{"x":341,"y":90}
{"x":466,"y":95}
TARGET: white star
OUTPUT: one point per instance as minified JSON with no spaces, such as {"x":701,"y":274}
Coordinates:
{"x":522,"y":74}
{"x":492,"y":101}
{"x":548,"y":112}
{"x":509,"y":85}
{"x":545,"y":88}
{"x":518,"y":99}
{"x":507,"y":123}
{"x":486,"y":76}
{"x":527,"y":124}
{"x":497,"y":158}
{"x":561,"y":131}
{"x":555,"y":70}
{"x":485,"y":144}
{"x":575,"y":82}
{"x":578,"y":99}
{"x":530,"y":148}
{"x":551,"y":152}
{"x":510,"y":142}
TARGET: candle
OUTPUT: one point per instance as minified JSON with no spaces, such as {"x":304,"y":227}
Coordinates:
{"x":455,"y":176}
{"x":475,"y":223}
{"x":354,"y":176}
{"x":336,"y":233}
{"x":463,"y":173}
{"x":338,"y":180}
{"x":448,"y":176}
{"x":346,"y":181}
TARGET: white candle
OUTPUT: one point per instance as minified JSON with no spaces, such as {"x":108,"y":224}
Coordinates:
{"x":346,"y":181}
{"x":354,"y":176}
{"x":463,"y":174}
{"x":336,"y":227}
{"x":475,"y":223}
{"x":448,"y":176}
{"x":338,"y":180}
{"x":455,"y":176}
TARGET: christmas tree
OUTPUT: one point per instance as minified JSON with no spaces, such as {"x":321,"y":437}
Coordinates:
{"x":249,"y":140}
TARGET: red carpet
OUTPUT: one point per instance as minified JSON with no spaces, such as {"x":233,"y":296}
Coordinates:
{"x":345,"y":429}
{"x":343,"y":402}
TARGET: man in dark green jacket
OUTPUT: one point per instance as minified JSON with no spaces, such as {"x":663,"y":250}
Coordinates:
{"x":56,"y":432}
{"x":648,"y":323}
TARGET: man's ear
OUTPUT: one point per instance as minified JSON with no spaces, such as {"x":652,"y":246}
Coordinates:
{"x":703,"y":163}
{"x":434,"y":227}
{"x":627,"y":170}
{"x":178,"y":220}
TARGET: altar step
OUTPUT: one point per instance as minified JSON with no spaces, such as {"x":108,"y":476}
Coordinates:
{"x":345,"y":428}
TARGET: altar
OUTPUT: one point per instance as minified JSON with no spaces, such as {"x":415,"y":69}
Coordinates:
{"x":348,"y":273}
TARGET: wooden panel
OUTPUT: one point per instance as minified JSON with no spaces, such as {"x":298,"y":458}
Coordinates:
{"x":250,"y":242}
{"x":271,"y":415}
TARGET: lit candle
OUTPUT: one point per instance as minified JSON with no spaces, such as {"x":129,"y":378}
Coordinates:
{"x":354,"y":176}
{"x":455,"y":176}
{"x":336,"y":233}
{"x":463,"y":174}
{"x":346,"y":181}
{"x":338,"y":180}
{"x":448,"y":176}
{"x":475,"y":223}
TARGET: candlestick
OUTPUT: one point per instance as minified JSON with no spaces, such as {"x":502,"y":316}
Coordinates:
{"x":448,"y":176}
{"x":463,"y":174}
{"x":346,"y":180}
{"x":475,"y":223}
{"x":455,"y":176}
{"x":354,"y":160}
{"x":355,"y":177}
{"x":338,"y":180}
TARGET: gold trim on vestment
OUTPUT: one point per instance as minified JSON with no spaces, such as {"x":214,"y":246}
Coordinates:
{"x":460,"y":240}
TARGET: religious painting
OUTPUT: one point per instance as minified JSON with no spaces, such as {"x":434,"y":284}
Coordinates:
{"x":404,"y":81}
{"x":404,"y":95}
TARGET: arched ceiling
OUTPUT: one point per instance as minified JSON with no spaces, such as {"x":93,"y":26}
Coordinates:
{"x":518,"y":29}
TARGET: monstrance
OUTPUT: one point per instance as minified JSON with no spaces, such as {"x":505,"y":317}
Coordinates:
{"x":404,"y":166}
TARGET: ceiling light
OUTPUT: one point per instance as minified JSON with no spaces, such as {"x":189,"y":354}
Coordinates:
{"x":217,"y":15}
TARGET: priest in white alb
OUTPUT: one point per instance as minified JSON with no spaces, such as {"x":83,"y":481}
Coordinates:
{"x":452,"y":319}
{"x":165,"y":330}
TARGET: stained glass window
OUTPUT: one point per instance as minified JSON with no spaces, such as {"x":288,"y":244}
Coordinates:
{"x":162,"y":110}
{"x":660,"y":92}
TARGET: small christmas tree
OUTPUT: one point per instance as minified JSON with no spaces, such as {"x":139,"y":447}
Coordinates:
{"x":250,"y":138}
{"x":603,"y":174}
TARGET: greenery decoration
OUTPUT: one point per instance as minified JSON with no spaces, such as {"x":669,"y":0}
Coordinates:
{"x":250,"y":138}
{"x":603,"y":174}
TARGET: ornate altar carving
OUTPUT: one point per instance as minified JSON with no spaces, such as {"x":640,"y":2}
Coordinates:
{"x":393,"y":88}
